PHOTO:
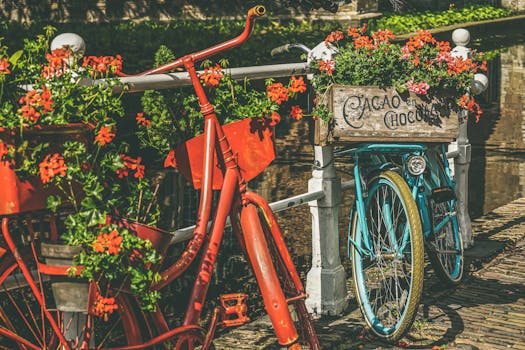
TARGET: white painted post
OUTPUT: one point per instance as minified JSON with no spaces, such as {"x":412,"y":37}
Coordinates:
{"x":326,"y":281}
{"x":460,"y":168}
{"x":461,"y":38}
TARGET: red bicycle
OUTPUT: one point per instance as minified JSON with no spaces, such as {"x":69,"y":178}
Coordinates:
{"x":223,"y":158}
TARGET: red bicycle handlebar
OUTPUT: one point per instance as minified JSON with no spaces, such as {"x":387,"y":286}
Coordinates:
{"x":253,"y":13}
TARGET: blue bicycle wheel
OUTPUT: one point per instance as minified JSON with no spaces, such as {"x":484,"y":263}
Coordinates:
{"x":387,"y":260}
{"x":444,"y":244}
{"x":445,"y":248}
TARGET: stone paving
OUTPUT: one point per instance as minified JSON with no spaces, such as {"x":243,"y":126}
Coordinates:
{"x":487,"y":311}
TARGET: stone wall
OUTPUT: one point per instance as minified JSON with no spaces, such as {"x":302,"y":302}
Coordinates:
{"x":516,"y":5}
{"x":505,"y":126}
{"x":27,"y":11}
{"x":513,"y":98}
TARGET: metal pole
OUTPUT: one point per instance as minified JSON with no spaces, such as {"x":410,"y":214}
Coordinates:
{"x":173,"y":80}
{"x":326,"y":280}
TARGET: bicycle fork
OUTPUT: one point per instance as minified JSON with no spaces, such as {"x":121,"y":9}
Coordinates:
{"x":256,"y":241}
{"x":261,"y":261}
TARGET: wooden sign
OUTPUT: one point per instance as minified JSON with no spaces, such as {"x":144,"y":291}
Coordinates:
{"x":371,"y":113}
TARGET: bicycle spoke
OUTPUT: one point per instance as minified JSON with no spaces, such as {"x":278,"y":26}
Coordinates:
{"x":446,"y":247}
{"x":31,"y":324}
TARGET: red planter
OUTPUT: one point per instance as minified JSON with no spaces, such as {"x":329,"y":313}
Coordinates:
{"x":21,"y":195}
{"x":160,"y":239}
{"x":251,"y":142}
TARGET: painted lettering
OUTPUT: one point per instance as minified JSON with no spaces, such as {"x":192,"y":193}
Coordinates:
{"x":396,"y":101}
{"x":351,"y":108}
{"x":386,"y":102}
{"x":375,"y":103}
{"x":390,"y":120}
{"x":402,"y":119}
{"x":410,"y":117}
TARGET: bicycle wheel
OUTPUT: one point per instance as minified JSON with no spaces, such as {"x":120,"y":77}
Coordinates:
{"x":24,"y":326}
{"x":387,"y":261}
{"x":445,"y":246}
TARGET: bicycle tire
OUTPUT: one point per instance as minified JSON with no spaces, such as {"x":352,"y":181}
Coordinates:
{"x":24,"y":327}
{"x":388,"y":316}
{"x":444,"y":244}
{"x":303,"y":321}
{"x":446,"y":249}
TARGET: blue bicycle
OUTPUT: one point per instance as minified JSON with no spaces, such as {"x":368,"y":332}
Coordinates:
{"x":405,"y":203}
{"x":404,"y":200}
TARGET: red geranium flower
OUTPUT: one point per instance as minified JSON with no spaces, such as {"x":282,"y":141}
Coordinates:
{"x":277,"y":93}
{"x":4,"y":66}
{"x":103,"y":307}
{"x":327,"y":66}
{"x":334,"y":36}
{"x":297,"y":85}
{"x":105,"y":135}
{"x":51,"y":166}
{"x":104,"y":64}
{"x":296,"y":113}
{"x":131,"y":164}
{"x":142,"y":120}
{"x":212,"y":76}
{"x":108,"y":242}
{"x":57,"y":63}
{"x":275,"y":118}
{"x":383,"y":36}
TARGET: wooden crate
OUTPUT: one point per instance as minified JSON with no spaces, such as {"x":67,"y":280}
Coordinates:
{"x":371,"y":113}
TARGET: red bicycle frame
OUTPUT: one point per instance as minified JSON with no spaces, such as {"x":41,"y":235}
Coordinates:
{"x":234,"y":200}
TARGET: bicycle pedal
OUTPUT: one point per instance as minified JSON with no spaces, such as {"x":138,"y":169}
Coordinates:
{"x":234,"y":309}
{"x":301,"y":296}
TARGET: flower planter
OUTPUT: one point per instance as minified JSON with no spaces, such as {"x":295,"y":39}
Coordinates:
{"x":370,"y":113}
{"x":251,"y":142}
{"x":159,"y":239}
{"x":21,"y":195}
{"x":70,"y":294}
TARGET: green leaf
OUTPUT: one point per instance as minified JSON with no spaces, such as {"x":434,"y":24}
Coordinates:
{"x":53,"y":202}
{"x":93,"y":217}
{"x":15,"y":57}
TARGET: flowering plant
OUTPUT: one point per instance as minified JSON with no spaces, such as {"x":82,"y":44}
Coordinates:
{"x":89,"y":168}
{"x":171,"y":117}
{"x":422,"y":65}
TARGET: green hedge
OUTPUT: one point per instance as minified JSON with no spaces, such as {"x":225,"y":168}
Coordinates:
{"x":411,"y":22}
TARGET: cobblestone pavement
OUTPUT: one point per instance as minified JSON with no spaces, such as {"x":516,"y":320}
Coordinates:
{"x":487,"y":311}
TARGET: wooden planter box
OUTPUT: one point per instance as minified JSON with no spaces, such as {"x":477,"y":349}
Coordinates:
{"x":371,"y":113}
